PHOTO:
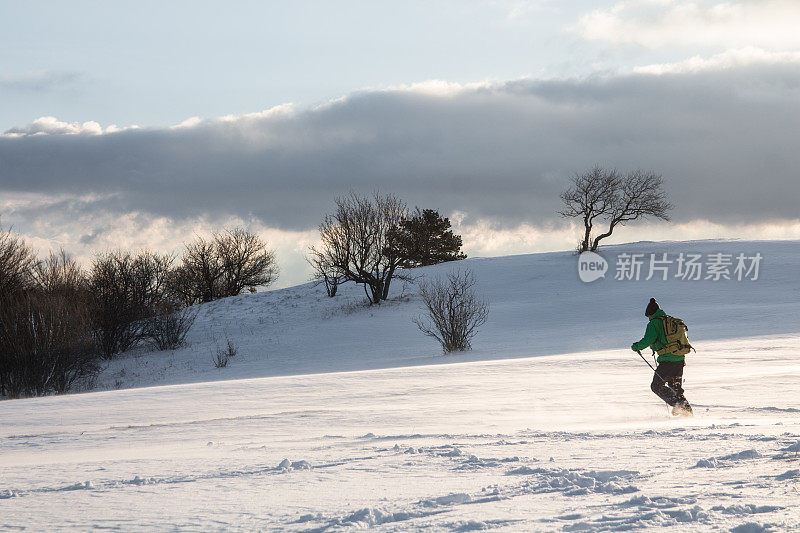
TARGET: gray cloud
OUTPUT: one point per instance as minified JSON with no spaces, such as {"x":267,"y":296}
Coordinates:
{"x":38,"y":81}
{"x":724,"y":140}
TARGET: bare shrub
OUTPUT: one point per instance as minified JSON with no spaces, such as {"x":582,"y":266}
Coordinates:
{"x":231,"y":348}
{"x":324,"y":272}
{"x":359,"y":242}
{"x":46,"y":344}
{"x":60,"y":274}
{"x":126,"y":290}
{"x":16,"y":261}
{"x":113,"y":310}
{"x":223,"y":355}
{"x":220,"y":359}
{"x":605,"y":196}
{"x":168,"y":328}
{"x":454,"y":312}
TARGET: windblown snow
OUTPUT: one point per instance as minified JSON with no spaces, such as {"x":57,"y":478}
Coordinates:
{"x":335,"y":415}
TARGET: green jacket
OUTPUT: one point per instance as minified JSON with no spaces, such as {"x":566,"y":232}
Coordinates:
{"x":654,"y":337}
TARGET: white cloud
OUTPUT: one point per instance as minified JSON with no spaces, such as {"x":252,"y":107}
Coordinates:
{"x":190,"y":122}
{"x":244,"y":122}
{"x":739,"y":57}
{"x":53,"y":126}
{"x":278,"y":111}
{"x":440,"y":87}
{"x":771,"y":24}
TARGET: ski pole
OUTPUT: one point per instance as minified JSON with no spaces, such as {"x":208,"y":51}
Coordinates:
{"x":648,"y":363}
{"x":666,"y":383}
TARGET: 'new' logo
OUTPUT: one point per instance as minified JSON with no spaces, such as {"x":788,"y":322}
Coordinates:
{"x":591,"y":266}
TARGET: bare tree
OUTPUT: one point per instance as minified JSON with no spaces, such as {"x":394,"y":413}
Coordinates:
{"x":589,"y":199}
{"x":324,"y":272}
{"x":183,"y":285}
{"x":151,"y":272}
{"x":222,"y":266}
{"x":246,"y":261}
{"x":640,"y":195}
{"x":454,"y":312}
{"x":359,"y":242}
{"x":198,"y":278}
{"x":605,"y":196}
{"x":16,"y":261}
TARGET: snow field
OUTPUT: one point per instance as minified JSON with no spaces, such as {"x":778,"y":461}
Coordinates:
{"x":566,"y":442}
{"x":547,"y":425}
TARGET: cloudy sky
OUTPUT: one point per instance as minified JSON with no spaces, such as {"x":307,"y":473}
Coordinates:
{"x":143,"y":124}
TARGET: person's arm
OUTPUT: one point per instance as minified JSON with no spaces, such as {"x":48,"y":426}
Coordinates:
{"x":650,"y":336}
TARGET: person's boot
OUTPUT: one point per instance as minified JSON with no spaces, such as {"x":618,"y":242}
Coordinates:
{"x":682,"y":409}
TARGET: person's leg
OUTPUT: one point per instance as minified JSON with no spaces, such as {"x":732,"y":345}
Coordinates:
{"x":676,"y":381}
{"x":665,"y":388}
{"x":681,"y":407}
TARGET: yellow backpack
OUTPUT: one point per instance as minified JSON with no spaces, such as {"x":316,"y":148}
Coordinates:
{"x":676,"y":343}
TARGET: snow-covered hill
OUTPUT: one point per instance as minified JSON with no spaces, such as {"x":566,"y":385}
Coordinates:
{"x":538,"y":307}
{"x":548,"y":425}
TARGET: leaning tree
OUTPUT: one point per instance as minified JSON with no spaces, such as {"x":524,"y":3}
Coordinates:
{"x":607,"y":198}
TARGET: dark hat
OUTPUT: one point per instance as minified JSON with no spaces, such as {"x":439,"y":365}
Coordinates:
{"x":652,"y":307}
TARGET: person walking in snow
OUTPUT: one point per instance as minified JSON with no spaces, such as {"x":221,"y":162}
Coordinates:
{"x":668,"y":378}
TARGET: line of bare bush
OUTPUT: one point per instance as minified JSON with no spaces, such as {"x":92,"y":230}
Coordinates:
{"x":46,"y":344}
{"x":58,"y":321}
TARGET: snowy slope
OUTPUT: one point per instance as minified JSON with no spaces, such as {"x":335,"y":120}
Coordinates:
{"x":548,"y":425}
{"x":538,"y":307}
